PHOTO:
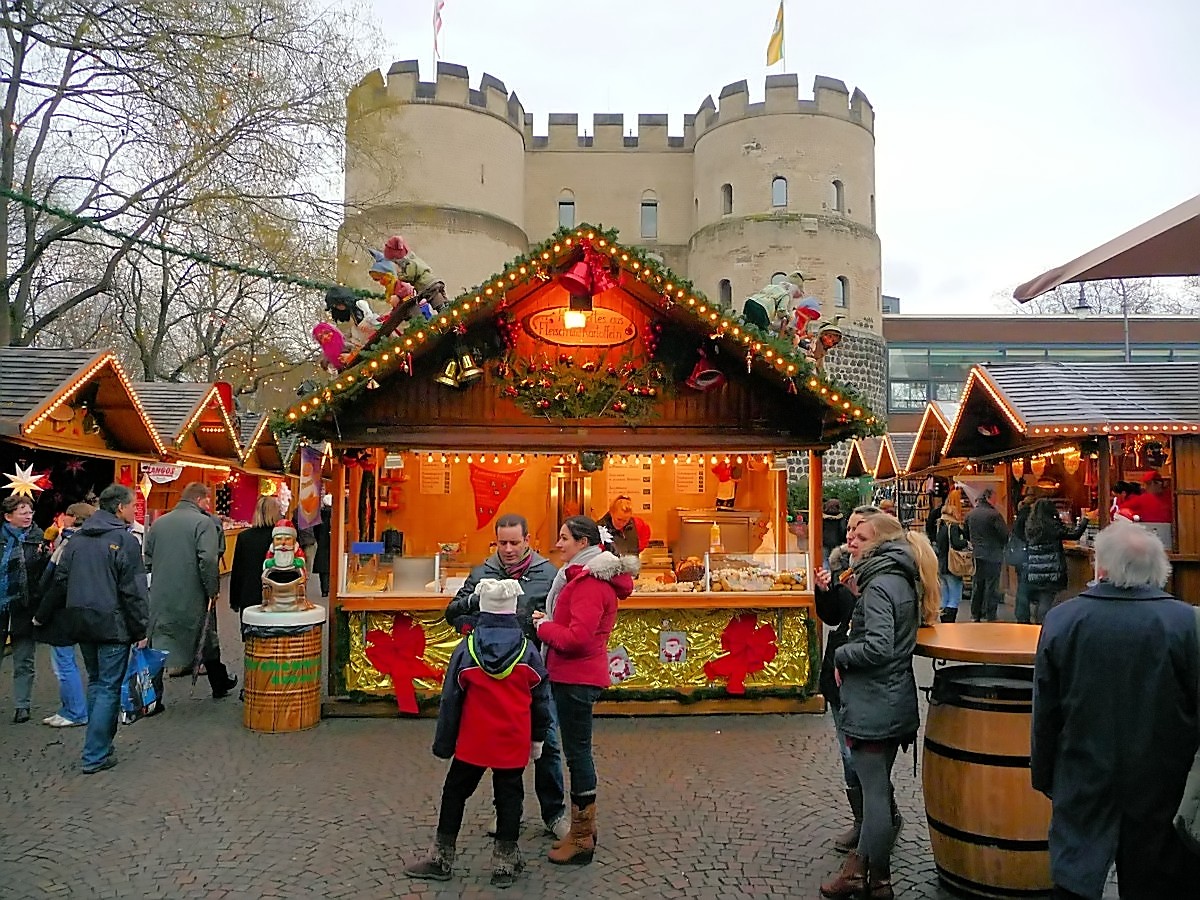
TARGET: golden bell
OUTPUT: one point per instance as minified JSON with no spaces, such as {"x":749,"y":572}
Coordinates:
{"x":449,"y":375}
{"x":467,"y":370}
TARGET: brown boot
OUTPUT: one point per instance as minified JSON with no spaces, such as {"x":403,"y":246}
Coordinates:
{"x":880,"y":889}
{"x":579,"y":846}
{"x":850,"y":882}
{"x":439,"y":864}
{"x":848,"y":839}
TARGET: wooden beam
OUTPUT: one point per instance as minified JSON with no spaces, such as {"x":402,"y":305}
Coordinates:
{"x":816,"y":487}
{"x":1104,"y":488}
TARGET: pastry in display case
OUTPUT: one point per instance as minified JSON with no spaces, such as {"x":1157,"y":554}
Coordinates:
{"x":758,"y":572}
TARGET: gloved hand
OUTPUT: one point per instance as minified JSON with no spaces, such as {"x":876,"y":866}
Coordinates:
{"x":535,"y":750}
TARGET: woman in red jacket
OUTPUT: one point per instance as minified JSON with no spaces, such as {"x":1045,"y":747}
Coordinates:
{"x":580,"y":611}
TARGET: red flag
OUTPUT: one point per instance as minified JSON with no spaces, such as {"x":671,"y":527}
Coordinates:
{"x":491,"y":488}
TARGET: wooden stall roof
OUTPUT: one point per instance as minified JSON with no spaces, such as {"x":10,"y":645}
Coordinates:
{"x":862,"y":457}
{"x":43,"y":387}
{"x":260,"y":449}
{"x":192,"y":419}
{"x":893,"y":454}
{"x":773,"y":397}
{"x":931,"y":436}
{"x":1005,"y":407}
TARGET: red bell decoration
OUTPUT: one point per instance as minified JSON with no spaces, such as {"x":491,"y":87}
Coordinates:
{"x":705,"y":376}
{"x":577,"y":280}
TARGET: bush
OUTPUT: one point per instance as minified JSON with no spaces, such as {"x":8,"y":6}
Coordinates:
{"x":843,"y":489}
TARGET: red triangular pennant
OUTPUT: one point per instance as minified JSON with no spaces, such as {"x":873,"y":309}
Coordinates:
{"x":490,"y":487}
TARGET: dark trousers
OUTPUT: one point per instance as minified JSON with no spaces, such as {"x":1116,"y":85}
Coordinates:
{"x":324,"y":576}
{"x":218,"y":675}
{"x":1038,"y":600}
{"x":461,"y":781}
{"x":985,"y":589}
{"x":874,"y":770}
{"x":574,"y":703}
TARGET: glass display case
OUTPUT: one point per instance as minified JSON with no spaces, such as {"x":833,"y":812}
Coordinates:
{"x":367,"y":569}
{"x":732,"y":573}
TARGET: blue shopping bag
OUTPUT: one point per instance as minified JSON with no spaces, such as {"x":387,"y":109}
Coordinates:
{"x":141,"y":691}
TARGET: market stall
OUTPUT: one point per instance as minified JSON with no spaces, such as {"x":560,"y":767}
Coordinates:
{"x":1072,"y":432}
{"x":891,"y":480}
{"x":70,"y":425}
{"x":201,"y":439}
{"x":582,"y":373}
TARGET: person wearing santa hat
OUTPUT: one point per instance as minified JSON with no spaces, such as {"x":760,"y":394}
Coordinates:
{"x":1153,"y":504}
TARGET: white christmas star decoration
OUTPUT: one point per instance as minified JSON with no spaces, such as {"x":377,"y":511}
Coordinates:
{"x":24,"y":482}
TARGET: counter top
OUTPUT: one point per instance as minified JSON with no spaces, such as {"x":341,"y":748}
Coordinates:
{"x":417,"y":601}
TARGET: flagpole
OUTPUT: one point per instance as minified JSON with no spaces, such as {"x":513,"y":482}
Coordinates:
{"x":783,"y":37}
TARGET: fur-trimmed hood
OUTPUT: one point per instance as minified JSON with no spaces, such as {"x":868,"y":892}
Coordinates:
{"x":608,"y":565}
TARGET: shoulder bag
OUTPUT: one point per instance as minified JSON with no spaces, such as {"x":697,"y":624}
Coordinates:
{"x":960,"y":562}
{"x":1187,"y":818}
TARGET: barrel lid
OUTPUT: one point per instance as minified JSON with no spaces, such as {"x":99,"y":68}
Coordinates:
{"x":256,"y":615}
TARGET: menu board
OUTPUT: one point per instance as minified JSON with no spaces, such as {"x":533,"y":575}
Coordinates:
{"x":690,"y":478}
{"x":633,"y":481}
{"x":435,"y":477}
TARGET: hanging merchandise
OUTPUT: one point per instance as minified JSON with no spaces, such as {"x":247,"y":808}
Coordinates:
{"x":22,"y":482}
{"x":491,"y":488}
{"x":223,"y":499}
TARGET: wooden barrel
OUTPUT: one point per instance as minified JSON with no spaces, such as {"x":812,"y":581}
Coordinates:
{"x":283,"y":681}
{"x":989,"y":828}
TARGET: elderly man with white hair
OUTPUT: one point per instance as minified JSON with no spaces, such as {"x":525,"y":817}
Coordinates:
{"x":1115,"y":724}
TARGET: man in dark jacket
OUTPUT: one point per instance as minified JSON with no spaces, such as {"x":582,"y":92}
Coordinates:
{"x":988,"y":534}
{"x":1115,"y":724}
{"x":101,"y":583}
{"x":515,"y":559}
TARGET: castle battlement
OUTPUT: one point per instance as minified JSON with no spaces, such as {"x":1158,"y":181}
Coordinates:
{"x":403,"y":85}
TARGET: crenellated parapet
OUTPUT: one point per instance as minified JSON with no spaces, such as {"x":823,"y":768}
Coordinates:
{"x":402,"y":85}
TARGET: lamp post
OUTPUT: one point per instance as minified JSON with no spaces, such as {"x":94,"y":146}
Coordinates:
{"x":1081,"y":310}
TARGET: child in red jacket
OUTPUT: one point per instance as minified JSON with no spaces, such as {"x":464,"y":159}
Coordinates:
{"x":494,"y":715}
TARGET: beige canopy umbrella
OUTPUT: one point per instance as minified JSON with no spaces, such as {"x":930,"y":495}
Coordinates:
{"x":1168,"y":244}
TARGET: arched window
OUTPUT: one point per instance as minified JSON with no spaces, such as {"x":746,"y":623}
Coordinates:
{"x":726,"y":199}
{"x":566,"y":209}
{"x":779,"y":191}
{"x":841,"y":292}
{"x":778,"y":278}
{"x":725,"y":290}
{"x":649,"y":215}
{"x":837,"y":196}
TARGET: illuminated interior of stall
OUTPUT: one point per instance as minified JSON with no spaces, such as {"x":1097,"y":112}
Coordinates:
{"x":440,"y":499}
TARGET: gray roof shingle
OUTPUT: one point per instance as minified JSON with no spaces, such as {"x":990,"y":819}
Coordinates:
{"x":170,"y":404}
{"x":29,"y":376}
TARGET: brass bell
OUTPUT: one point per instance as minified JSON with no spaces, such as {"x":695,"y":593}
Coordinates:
{"x":449,"y":375}
{"x":467,"y":369}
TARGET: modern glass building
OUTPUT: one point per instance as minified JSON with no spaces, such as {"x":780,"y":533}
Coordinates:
{"x":929,"y":357}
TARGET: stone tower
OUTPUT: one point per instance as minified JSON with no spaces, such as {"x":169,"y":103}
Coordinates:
{"x":747,"y":191}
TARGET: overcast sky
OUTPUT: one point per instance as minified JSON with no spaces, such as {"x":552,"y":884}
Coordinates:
{"x":1010,"y":137}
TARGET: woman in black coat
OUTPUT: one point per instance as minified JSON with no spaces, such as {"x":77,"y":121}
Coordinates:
{"x":245,"y":574}
{"x":23,"y":557}
{"x":1045,"y":559}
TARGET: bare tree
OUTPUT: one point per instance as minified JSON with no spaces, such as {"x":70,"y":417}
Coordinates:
{"x":159,"y":118}
{"x":1118,"y":296}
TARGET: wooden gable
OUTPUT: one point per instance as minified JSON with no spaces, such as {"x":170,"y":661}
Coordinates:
{"x":74,"y":401}
{"x":862,"y":457}
{"x":260,"y":450}
{"x":195,"y":419}
{"x":630,"y":365}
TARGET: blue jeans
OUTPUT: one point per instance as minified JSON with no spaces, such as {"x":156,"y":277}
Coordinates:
{"x":548,"y":774}
{"x":70,"y":684}
{"x":848,"y":773}
{"x":575,"y":702}
{"x":952,"y":590}
{"x":106,"y":665}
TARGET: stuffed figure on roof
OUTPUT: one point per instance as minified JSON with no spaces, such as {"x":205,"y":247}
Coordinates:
{"x":774,"y":307}
{"x":357,"y":321}
{"x":412,"y":270}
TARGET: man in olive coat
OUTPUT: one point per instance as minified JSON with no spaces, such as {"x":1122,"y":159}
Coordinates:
{"x":183,"y":556}
{"x":1115,"y":725}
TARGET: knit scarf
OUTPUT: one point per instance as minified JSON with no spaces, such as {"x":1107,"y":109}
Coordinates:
{"x":518,"y":569}
{"x":12,"y":566}
{"x":582,"y":558}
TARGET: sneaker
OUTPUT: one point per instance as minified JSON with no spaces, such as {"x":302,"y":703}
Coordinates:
{"x":57,"y":721}
{"x":560,"y":827}
{"x":107,"y":763}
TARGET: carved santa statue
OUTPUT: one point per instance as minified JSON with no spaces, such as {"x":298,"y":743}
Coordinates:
{"x":284,"y":578}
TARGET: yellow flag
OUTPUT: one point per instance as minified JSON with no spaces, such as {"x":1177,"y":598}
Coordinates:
{"x":775,"y":44}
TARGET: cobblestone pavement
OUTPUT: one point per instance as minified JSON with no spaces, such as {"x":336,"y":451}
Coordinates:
{"x":704,"y":807}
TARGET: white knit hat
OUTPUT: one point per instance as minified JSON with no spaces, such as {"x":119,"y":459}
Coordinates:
{"x":498,"y":595}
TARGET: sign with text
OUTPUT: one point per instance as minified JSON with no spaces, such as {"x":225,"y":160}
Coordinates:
{"x":435,"y":477}
{"x":632,"y":481}
{"x":603,"y":328}
{"x":161,"y":473}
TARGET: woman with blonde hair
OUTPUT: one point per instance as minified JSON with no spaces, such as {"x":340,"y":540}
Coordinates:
{"x":245,"y":573}
{"x":899,"y":591}
{"x":950,"y":536}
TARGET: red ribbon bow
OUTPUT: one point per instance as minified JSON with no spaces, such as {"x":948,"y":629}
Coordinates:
{"x":401,"y":655}
{"x":748,"y":648}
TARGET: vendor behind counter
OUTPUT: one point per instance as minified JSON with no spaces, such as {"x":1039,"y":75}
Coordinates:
{"x":1153,"y":504}
{"x":631,"y":535}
